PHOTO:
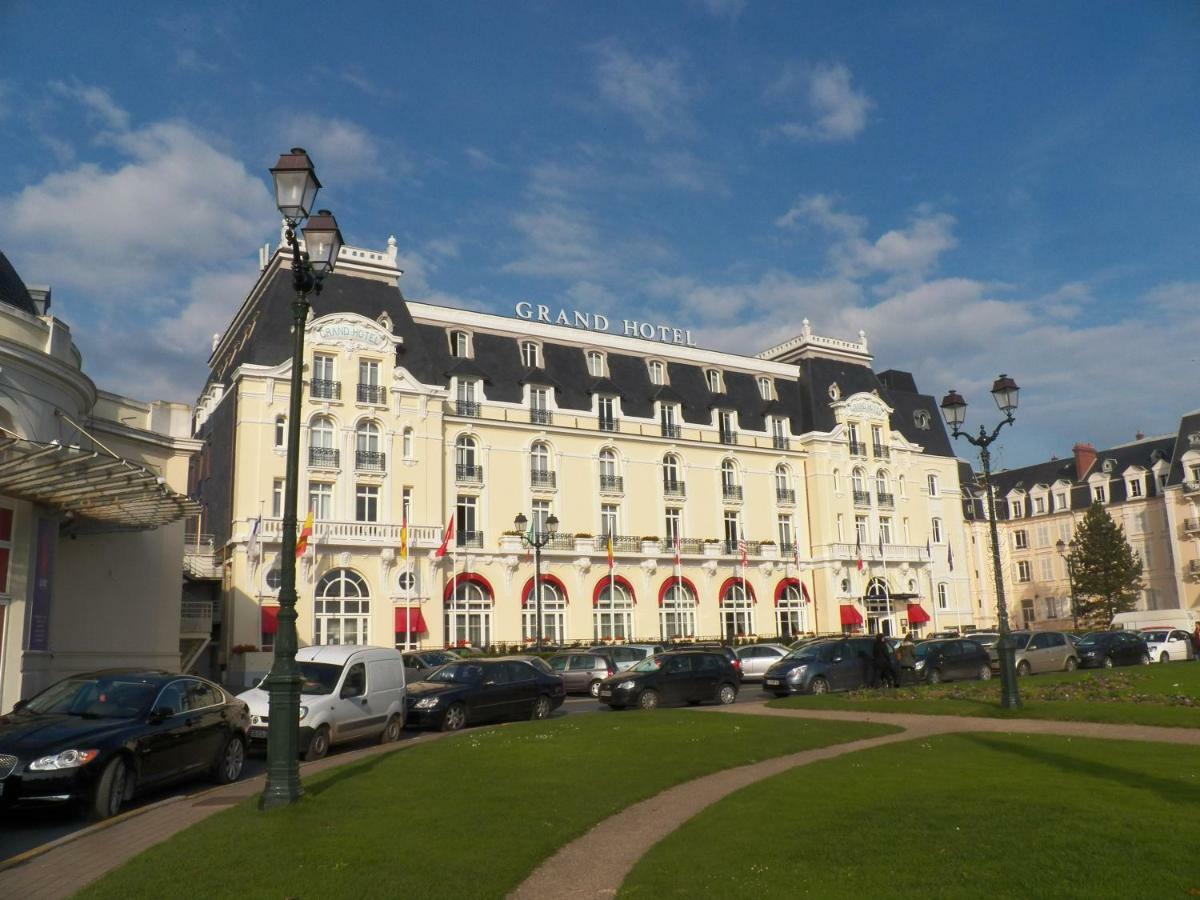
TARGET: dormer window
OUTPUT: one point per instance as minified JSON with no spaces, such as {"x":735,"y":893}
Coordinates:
{"x":1016,"y":508}
{"x":713,"y":378}
{"x":595,"y":364}
{"x":1098,"y":493}
{"x":1135,"y":487}
{"x":658,"y":372}
{"x":460,"y":344}
{"x":766,"y":388}
{"x":531,"y":355}
{"x":921,"y":419}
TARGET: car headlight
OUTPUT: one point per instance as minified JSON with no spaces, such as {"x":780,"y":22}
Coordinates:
{"x":626,"y":685}
{"x":303,"y":711}
{"x":797,"y":673}
{"x":426,"y":703}
{"x":919,"y":664}
{"x":68,"y":759}
{"x":1088,"y":652}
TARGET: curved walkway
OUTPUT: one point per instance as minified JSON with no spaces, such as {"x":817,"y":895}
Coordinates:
{"x":596,"y":864}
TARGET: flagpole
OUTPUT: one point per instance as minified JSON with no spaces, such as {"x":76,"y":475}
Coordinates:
{"x":678,"y":572}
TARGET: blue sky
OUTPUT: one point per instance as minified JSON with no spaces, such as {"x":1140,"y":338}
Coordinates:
{"x":980,"y":187}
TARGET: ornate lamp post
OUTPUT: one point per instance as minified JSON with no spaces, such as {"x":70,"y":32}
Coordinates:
{"x":1065,"y":551}
{"x":954,"y":409}
{"x":537,"y":540}
{"x":296,"y":187}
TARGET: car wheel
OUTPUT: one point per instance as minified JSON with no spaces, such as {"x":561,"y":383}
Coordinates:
{"x":594,"y":688}
{"x":319,"y":745}
{"x":819,"y":686}
{"x":985,"y":672}
{"x":1072,"y":664}
{"x":228,"y":768}
{"x":935,"y":676}
{"x":1023,"y":668}
{"x":727,"y":694}
{"x":110,"y":789}
{"x":541,"y":707}
{"x":1145,"y":659}
{"x":454,"y":718}
{"x":1165,"y":658}
{"x":648,"y":699}
{"x":1108,"y":663}
{"x":391,"y":731}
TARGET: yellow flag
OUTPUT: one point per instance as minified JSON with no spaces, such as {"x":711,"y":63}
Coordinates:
{"x":305,"y":533}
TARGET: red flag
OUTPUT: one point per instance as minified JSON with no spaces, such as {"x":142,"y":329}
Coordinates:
{"x":742,"y":550}
{"x":804,"y":592}
{"x":446,"y":535}
{"x":608,"y":537}
{"x":305,"y":533}
{"x":676,"y":545}
{"x":858,"y":551}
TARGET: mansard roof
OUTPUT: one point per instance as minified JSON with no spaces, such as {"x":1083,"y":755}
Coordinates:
{"x":12,"y":289}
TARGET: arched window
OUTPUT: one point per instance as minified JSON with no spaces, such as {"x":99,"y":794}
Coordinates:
{"x":791,"y":612}
{"x":280,"y":430}
{"x":613,"y":612}
{"x":943,"y":596}
{"x":539,"y":464}
{"x":342,"y":608}
{"x":366,"y":437}
{"x":321,"y":433}
{"x":608,"y":463}
{"x":530,"y":355}
{"x":466,"y":451}
{"x":729,"y":474}
{"x":737,"y":611}
{"x":406,"y":443}
{"x":469,"y":613}
{"x":595,"y":363}
{"x":671,"y":472}
{"x":883,"y":490}
{"x":677,"y":614}
{"x":554,"y":614}
{"x":658,"y":372}
{"x":783,"y":480}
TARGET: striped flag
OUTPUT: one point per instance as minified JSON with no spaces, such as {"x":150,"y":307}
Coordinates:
{"x":446,"y":535}
{"x":742,"y":550}
{"x":305,"y":534}
{"x":608,"y":537}
{"x":404,"y":536}
{"x":675,"y":544}
{"x":858,"y":550}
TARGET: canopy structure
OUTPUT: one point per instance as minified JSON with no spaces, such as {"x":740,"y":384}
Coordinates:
{"x":850,"y":615}
{"x":410,"y":621}
{"x":96,"y":490}
{"x":917,"y":614}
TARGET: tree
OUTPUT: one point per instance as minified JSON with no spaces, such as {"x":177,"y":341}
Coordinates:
{"x":1108,"y":573}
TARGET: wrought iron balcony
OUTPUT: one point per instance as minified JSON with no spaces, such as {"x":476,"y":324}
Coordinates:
{"x":323,"y":457}
{"x":322,"y":389}
{"x":674,"y":489}
{"x":670,"y":430}
{"x":608,"y":423}
{"x":728,"y":437}
{"x":730,"y":548}
{"x":732,"y":492}
{"x":467,"y":408}
{"x":469,"y":539}
{"x":621,"y":543}
{"x":689,"y":545}
{"x":881,"y":452}
{"x":888,"y":501}
{"x":1191,"y":487}
{"x":786,"y":549}
{"x":862,"y":498}
{"x":542,"y":478}
{"x":785,"y":495}
{"x":372,"y":393}
{"x":612,"y":484}
{"x":857,"y":448}
{"x":369,"y":461}
{"x":779,"y":442}
{"x":539,"y":416}
{"x":1191,"y":526}
{"x":468,"y":474}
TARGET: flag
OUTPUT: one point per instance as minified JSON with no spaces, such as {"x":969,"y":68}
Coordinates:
{"x":796,"y":556}
{"x":804,"y":592}
{"x":950,"y":557}
{"x":608,"y":538}
{"x":858,"y":550}
{"x":742,"y":550}
{"x":404,"y":536}
{"x":305,"y":534}
{"x":675,"y":543}
{"x":446,"y":535}
{"x":881,"y":542}
{"x":928,"y":550}
{"x":252,"y":542}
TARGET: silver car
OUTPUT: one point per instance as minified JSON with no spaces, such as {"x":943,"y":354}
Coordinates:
{"x":757,"y":658}
{"x":1040,"y":651}
{"x":625,"y":655}
{"x":582,"y":672}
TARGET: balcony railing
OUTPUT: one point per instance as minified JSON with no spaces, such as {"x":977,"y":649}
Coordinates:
{"x":779,"y":441}
{"x":608,"y":423}
{"x":785,"y":495}
{"x":670,"y":430}
{"x":542,"y":478}
{"x":881,"y":452}
{"x":555,"y":541}
{"x":674,"y":489}
{"x":612,"y":484}
{"x":375,"y":533}
{"x":728,"y":437}
{"x":195,"y":617}
{"x":1190,"y":487}
{"x":469,"y":539}
{"x":539,"y":416}
{"x":786,"y":549}
{"x":862,"y":498}
{"x":688,"y":545}
{"x":732,"y":492}
{"x":622,"y":543}
{"x":323,"y":389}
{"x":870,"y":552}
{"x":467,"y":408}
{"x":464,"y":474}
{"x":1190,"y":526}
{"x":369,"y":461}
{"x":888,"y":501}
{"x":730,"y":548}
{"x":858,"y":448}
{"x":372,"y":393}
{"x":323,"y":457}
{"x":200,"y":559}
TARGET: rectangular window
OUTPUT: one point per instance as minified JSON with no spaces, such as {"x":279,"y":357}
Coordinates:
{"x":937,"y":531}
{"x":277,"y":497}
{"x":466,"y":521}
{"x":1024,"y":571}
{"x":595,"y":364}
{"x":732,"y":532}
{"x":320,"y":499}
{"x":877,"y":440}
{"x":541,"y":512}
{"x":460,"y":344}
{"x":668,"y":421}
{"x":785,"y":532}
{"x":1047,"y":567}
{"x":725,"y":426}
{"x":1039,"y":505}
{"x":608,"y":418}
{"x":885,"y":529}
{"x":658,"y":373}
{"x":366,"y":503}
{"x":609,"y":513}
{"x":1098,"y":493}
{"x":1060,"y":501}
{"x":322,"y":367}
{"x":1043,"y":536}
{"x":1016,"y":509}
{"x":539,"y":398}
{"x":1021,"y":540}
{"x":674,"y":524}
{"x":368,"y":372}
{"x":943,"y":598}
{"x":1064,"y":531}
{"x":765,"y":390}
{"x":406,"y":504}
{"x":529,"y":355}
{"x":714,"y":381}
{"x":860,"y":530}
{"x":1135,"y":487}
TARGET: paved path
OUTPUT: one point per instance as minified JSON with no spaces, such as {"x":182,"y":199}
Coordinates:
{"x":596,"y":864}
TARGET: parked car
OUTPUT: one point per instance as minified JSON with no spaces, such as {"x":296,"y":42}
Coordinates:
{"x":804,"y":641}
{"x":470,"y":691}
{"x":714,"y":647}
{"x":819,"y":667}
{"x":346,"y":692}
{"x":625,"y":655}
{"x":986,"y":639}
{"x":99,"y":738}
{"x":757,"y":658}
{"x":537,"y":662}
{"x":950,"y":660}
{"x":1168,"y":644}
{"x":1105,"y":649}
{"x":419,"y":663}
{"x":680,"y":676}
{"x":582,"y":672}
{"x":1043,"y":651}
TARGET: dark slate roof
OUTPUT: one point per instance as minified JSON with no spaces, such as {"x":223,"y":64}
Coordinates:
{"x":12,"y":288}
{"x":1188,"y":425}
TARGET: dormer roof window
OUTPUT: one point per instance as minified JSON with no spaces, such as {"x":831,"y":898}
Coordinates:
{"x":531,"y":355}
{"x":713,"y":378}
{"x":658,"y":371}
{"x":460,"y":344}
{"x":766,"y":387}
{"x":596,"y":364}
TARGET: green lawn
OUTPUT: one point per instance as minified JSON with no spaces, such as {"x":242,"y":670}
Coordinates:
{"x":1137,"y":695}
{"x":953,"y":816}
{"x":468,"y":816}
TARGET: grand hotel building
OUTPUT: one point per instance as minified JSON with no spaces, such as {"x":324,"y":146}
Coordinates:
{"x":840,"y":482}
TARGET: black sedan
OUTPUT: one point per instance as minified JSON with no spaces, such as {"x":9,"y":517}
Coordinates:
{"x":678,"y":676}
{"x":938,"y":661}
{"x":98,"y":739}
{"x":1105,"y":649}
{"x":483,"y":690}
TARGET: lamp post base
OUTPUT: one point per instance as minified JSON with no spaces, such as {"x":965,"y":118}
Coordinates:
{"x":1010,"y":696}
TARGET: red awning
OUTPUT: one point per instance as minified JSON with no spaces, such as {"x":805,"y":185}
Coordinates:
{"x":851,"y":616}
{"x":917,"y":615}
{"x":410,"y":621}
{"x":270,"y":619}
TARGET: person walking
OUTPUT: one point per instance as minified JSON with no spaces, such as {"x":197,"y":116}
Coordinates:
{"x":881,"y":657}
{"x":906,"y":654}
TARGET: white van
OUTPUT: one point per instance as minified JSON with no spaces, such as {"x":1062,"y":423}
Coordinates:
{"x":1184,"y":619}
{"x":347,"y":692}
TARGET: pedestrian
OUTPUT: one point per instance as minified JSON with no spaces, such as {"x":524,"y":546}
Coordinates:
{"x":881,"y":657}
{"x":907,"y":657}
{"x":1196,"y":640}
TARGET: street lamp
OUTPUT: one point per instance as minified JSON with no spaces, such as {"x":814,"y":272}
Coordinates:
{"x":954,"y":409}
{"x":1063,"y":552}
{"x":537,"y":540}
{"x":296,"y":187}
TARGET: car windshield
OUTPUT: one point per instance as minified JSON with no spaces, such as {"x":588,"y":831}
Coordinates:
{"x":457,"y":673}
{"x":922,"y":650}
{"x":1096,"y":638}
{"x":649,"y":664}
{"x":808,"y":651}
{"x":986,"y":639}
{"x":108,"y":697}
{"x":1155,"y":637}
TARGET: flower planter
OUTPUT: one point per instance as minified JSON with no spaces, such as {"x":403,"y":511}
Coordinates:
{"x":650,"y":548}
{"x":585,"y":545}
{"x":510,"y":543}
{"x":768,"y":551}
{"x":712,"y":550}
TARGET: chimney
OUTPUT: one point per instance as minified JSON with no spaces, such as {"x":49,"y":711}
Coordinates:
{"x":40,"y":295}
{"x":1085,"y":457}
{"x":1138,"y":436}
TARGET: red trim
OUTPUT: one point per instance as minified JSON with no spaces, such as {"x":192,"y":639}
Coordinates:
{"x":546,"y":579}
{"x":670,"y":582}
{"x":270,"y":619}
{"x":917,"y":614}
{"x":850,"y":615}
{"x":736,"y":579}
{"x":784,"y":584}
{"x":410,"y":621}
{"x":603,"y":583}
{"x":468,"y":576}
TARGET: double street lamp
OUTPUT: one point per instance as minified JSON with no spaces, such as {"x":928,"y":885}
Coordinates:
{"x":954,"y":409}
{"x":296,"y":187}
{"x":537,"y":540}
{"x":1066,"y":551}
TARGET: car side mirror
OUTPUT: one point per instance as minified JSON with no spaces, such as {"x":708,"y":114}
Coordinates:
{"x":20,"y":704}
{"x":160,"y":714}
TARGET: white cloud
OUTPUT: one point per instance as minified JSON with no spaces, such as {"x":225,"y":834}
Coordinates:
{"x":836,"y":111}
{"x":652,"y":92}
{"x":98,"y":102}
{"x":480,"y":159}
{"x":341,"y":151}
{"x":560,"y":242}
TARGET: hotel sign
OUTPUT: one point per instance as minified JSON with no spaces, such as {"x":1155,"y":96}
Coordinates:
{"x":600,"y":322}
